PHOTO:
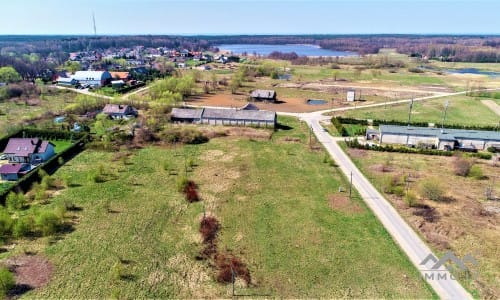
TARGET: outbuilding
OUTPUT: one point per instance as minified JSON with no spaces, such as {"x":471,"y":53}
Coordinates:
{"x":220,"y":116}
{"x":93,"y":78}
{"x":439,"y":138}
{"x":12,"y":172}
{"x":266,"y":95}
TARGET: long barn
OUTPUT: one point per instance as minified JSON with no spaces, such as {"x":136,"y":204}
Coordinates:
{"x":443,"y":139}
{"x":220,"y":116}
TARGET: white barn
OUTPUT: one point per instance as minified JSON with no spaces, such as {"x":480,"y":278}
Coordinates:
{"x":93,"y":78}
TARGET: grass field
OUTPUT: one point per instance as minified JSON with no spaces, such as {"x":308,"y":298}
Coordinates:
{"x":461,"y":110}
{"x":465,"y":223}
{"x":15,"y":112}
{"x":272,"y":199}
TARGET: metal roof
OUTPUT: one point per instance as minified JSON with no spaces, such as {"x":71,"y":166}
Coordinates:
{"x":96,"y":75}
{"x":25,"y":146}
{"x":443,"y":134}
{"x":224,"y":114}
{"x":264,"y":94}
{"x":186,"y":113}
{"x":233,"y":114}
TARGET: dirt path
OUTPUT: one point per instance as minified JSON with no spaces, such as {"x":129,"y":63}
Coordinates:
{"x":492,"y":105}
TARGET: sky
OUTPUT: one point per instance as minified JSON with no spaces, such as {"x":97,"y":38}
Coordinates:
{"x":192,"y":17}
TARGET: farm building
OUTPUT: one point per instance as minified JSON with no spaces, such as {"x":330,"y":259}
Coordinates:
{"x":93,"y":78}
{"x":12,"y":172}
{"x":443,"y":139}
{"x":66,"y":81}
{"x":28,"y":150}
{"x":219,"y":116}
{"x":267,"y":95}
{"x":117,"y":111}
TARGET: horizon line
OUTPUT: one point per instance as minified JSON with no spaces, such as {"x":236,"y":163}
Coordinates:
{"x":247,"y":34}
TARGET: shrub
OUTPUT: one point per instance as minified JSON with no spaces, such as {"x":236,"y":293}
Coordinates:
{"x":48,"y":223}
{"x":411,"y":199}
{"x":398,"y":191}
{"x":432,"y":189}
{"x":15,"y":201}
{"x":227,"y":264}
{"x":209,"y":227}
{"x":5,"y":224}
{"x":23,"y":226}
{"x":476,"y":172}
{"x":491,"y":149}
{"x":183,"y":135}
{"x":7,"y":281}
{"x":461,"y":166}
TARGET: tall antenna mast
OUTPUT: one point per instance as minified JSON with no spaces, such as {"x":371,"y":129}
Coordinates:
{"x":93,"y":23}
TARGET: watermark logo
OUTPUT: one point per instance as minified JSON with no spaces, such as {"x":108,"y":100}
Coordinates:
{"x":454,"y":267}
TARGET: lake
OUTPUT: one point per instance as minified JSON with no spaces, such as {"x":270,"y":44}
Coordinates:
{"x":473,"y":71}
{"x":300,"y":49}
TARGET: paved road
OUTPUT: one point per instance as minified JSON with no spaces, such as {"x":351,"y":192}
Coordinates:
{"x":401,"y":232}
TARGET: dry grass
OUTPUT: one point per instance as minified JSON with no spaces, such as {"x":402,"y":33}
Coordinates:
{"x":467,"y":224}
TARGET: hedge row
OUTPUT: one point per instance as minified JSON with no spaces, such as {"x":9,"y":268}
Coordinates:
{"x":41,"y":133}
{"x":377,"y":122}
{"x":339,"y":127}
{"x":50,"y":166}
{"x":388,"y":148}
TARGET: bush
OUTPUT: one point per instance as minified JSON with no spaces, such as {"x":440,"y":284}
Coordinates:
{"x":411,"y":199}
{"x":15,"y":201}
{"x":7,"y":281}
{"x":48,"y":223}
{"x":209,"y":227}
{"x":476,"y":172}
{"x":491,"y":149}
{"x":23,"y":226}
{"x":432,"y":189}
{"x":462,"y":166}
{"x":183,"y":135}
{"x":5,"y":224}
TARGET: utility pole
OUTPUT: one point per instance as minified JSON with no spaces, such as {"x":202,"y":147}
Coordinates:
{"x":409,"y":112}
{"x":444,"y":114}
{"x":233,"y":277}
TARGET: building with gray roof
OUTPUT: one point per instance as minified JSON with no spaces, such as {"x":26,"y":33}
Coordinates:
{"x":267,"y":95}
{"x":221,"y":116}
{"x":443,"y":139}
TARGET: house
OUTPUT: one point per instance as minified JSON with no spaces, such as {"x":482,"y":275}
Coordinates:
{"x":118,"y":111}
{"x":219,"y":116}
{"x":267,"y":95}
{"x":12,"y":172}
{"x":93,"y":78}
{"x":125,"y":76}
{"x":28,"y":150}
{"x":438,"y":138}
